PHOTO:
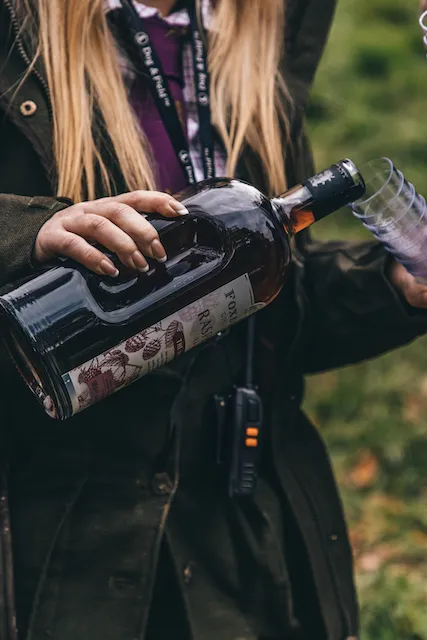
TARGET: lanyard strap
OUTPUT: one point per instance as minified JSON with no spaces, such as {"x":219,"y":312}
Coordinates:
{"x":201,"y":75}
{"x":163,"y":97}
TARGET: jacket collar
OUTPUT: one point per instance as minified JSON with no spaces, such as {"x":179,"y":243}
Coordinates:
{"x":16,"y":53}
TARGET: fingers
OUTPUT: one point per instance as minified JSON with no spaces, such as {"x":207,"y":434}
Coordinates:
{"x":150,"y":202}
{"x":137,"y":228}
{"x":115,"y":223}
{"x":103,"y":231}
{"x":414,"y":292}
{"x":73,"y":246}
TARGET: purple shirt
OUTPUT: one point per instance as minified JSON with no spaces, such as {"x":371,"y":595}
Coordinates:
{"x":168,"y":43}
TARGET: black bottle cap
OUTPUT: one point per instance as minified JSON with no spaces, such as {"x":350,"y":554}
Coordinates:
{"x":339,"y":185}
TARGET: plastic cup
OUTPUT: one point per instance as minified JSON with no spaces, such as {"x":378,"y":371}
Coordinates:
{"x":414,"y":257}
{"x":390,"y":225}
{"x":395,"y":214}
{"x":404,"y":244}
{"x":383,"y":183}
{"x":418,"y":270}
{"x":376,"y":210}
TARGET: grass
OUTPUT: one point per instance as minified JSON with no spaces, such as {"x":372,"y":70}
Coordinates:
{"x":369,"y":100}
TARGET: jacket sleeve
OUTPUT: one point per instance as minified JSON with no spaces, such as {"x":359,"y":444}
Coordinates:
{"x":21,"y":218}
{"x":308,"y":27}
{"x":352,"y":310}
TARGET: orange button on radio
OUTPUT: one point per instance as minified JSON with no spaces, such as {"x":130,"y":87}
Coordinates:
{"x":251,"y":442}
{"x":252,"y":432}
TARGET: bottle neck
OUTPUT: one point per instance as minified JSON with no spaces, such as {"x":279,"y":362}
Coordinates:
{"x":319,"y":196}
{"x":295,"y":209}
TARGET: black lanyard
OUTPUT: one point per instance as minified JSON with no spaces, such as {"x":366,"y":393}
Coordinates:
{"x":163,"y":96}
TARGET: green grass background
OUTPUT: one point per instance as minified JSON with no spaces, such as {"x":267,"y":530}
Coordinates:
{"x":370,"y":99}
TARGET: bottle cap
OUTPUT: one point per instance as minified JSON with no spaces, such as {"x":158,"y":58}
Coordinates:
{"x":335,"y":187}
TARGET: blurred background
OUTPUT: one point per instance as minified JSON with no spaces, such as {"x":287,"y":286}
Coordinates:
{"x":370,"y":99}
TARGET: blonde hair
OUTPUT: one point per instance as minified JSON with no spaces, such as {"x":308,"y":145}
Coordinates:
{"x":79,"y":55}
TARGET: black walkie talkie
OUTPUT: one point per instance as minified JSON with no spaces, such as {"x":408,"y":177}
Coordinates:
{"x":240,"y":421}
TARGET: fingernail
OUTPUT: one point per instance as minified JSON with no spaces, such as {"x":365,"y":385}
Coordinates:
{"x":108,"y":268}
{"x":140,"y":262}
{"x":158,"y":251}
{"x":178,"y":207}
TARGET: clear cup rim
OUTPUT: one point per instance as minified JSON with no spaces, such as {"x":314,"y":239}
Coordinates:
{"x":364,"y":219}
{"x":361,"y":202}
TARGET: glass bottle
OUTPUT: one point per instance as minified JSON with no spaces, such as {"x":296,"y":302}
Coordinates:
{"x":78,"y":337}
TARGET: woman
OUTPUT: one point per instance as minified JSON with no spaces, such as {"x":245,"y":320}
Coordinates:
{"x":118,"y":520}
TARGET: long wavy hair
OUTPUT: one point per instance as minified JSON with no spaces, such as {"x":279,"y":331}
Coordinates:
{"x":79,"y":54}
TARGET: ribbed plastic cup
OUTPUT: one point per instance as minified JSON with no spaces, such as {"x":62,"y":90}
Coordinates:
{"x":383,"y":183}
{"x":395,"y":214}
{"x":405,"y":245}
{"x":391,"y":223}
{"x":386,"y":194}
{"x":408,"y":224}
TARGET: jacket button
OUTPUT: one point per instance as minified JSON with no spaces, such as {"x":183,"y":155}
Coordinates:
{"x":162,"y":484}
{"x":188,"y":573}
{"x":28,"y":108}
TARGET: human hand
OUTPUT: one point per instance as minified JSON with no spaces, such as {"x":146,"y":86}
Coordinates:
{"x":414,"y":293}
{"x":116,"y":223}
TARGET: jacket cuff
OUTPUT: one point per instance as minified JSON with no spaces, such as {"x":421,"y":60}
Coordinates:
{"x":21,"y":219}
{"x":43,"y":204}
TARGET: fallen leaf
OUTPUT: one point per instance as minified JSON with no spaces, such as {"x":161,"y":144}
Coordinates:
{"x":365,"y":471}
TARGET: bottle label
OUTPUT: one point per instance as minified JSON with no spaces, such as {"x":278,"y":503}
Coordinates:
{"x":159,"y":344}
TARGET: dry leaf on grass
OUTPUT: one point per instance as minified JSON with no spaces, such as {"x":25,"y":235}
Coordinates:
{"x":365,"y":471}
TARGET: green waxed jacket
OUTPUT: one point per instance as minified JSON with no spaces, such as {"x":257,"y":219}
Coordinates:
{"x":117,"y":519}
